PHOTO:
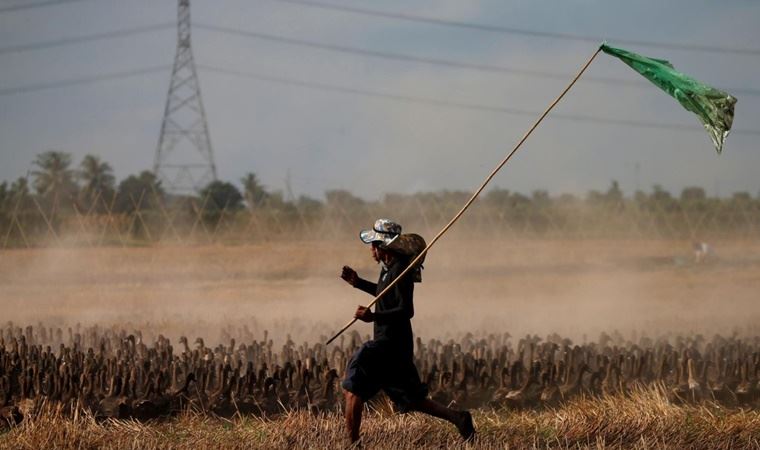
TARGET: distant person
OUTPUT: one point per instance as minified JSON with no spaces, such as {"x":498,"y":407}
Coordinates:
{"x":387,"y":361}
{"x":702,"y":252}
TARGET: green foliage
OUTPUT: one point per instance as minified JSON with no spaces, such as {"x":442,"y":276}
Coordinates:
{"x":18,"y":209}
{"x":693,"y":194}
{"x":343,"y":200}
{"x":520,"y":202}
{"x":308,"y":205}
{"x":253,"y":191}
{"x":540,"y":199}
{"x":4,"y":205}
{"x":742,"y":198}
{"x":143,"y":192}
{"x":98,"y":183}
{"x":19,"y":192}
{"x":497,"y":197}
{"x":4,"y":194}
{"x":54,"y":180}
{"x":220,"y":197}
{"x":614,"y":195}
{"x":610,"y":200}
{"x":140,"y":208}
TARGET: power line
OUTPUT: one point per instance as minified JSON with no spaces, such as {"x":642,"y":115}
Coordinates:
{"x":360,"y":92}
{"x":520,"y":31}
{"x":87,"y":38}
{"x":488,"y":68}
{"x":433,"y":61}
{"x":83,"y":80}
{"x":450,"y":104}
{"x":23,"y":6}
{"x":378,"y":54}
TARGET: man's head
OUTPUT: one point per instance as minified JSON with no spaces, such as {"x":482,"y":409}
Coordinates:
{"x":383,"y":233}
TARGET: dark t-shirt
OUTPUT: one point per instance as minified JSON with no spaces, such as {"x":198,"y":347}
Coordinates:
{"x":393,"y":312}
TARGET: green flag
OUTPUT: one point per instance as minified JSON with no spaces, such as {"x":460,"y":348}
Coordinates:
{"x":713,"y":107}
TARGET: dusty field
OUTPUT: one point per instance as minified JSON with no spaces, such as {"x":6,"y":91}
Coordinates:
{"x":574,"y":288}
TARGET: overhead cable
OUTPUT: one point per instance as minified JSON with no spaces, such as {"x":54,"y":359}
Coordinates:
{"x":433,"y":61}
{"x":520,"y":31}
{"x":86,"y":38}
{"x":488,"y":68}
{"x":355,"y":91}
{"x":82,"y":80}
{"x":34,"y":5}
{"x":452,"y":104}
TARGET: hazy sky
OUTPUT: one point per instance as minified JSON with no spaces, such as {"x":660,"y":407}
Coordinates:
{"x":326,"y":139}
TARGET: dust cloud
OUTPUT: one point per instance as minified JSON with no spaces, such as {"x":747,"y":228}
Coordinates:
{"x":576,"y":288}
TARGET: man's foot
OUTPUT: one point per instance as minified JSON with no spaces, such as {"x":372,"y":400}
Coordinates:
{"x":465,"y":426}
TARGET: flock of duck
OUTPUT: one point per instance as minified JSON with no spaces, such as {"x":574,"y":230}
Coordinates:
{"x":114,"y":373}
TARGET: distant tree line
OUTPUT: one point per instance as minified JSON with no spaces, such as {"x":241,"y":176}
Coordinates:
{"x":64,"y":198}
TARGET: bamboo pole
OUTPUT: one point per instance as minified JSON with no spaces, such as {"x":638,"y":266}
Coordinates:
{"x":474,"y":196}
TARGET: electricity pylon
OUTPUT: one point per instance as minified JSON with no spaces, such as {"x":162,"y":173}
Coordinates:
{"x":184,"y":158}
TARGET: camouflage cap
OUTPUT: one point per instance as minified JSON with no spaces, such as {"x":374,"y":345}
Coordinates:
{"x":385,"y":231}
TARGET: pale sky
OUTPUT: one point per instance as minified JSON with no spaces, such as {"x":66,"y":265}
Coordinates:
{"x":325,"y":139}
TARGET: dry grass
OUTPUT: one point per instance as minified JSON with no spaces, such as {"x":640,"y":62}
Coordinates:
{"x":643,"y":420}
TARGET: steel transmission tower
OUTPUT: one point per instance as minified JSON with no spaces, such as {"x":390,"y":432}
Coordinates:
{"x":184,"y":158}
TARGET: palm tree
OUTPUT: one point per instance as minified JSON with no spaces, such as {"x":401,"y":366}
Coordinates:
{"x":54,"y":179}
{"x":98,"y":180}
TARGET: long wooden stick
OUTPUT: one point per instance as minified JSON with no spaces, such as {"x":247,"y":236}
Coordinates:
{"x":474,"y":196}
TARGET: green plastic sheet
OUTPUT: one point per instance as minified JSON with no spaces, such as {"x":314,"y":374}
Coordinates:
{"x":713,"y":107}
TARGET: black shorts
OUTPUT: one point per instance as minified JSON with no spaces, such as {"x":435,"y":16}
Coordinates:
{"x":378,"y":365}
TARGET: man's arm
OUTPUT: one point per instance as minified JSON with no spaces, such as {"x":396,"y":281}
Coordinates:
{"x":350,"y":276}
{"x":366,"y":286}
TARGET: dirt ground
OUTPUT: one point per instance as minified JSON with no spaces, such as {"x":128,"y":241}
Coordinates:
{"x":574,"y":288}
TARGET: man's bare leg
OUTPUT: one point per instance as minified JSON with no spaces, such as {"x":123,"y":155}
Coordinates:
{"x":461,"y":419}
{"x":435,"y":409}
{"x":354,"y":405}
